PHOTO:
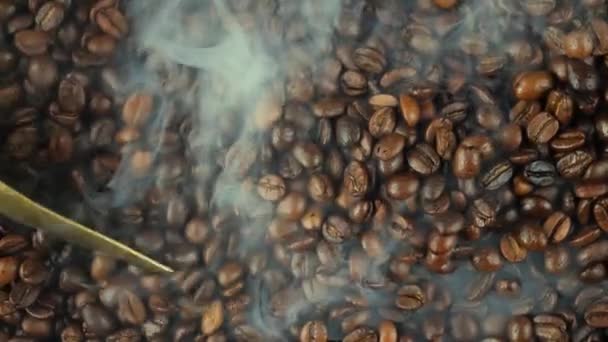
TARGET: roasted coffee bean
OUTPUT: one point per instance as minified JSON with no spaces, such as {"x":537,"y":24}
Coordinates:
{"x":409,"y":109}
{"x":540,"y":173}
{"x":600,"y":213}
{"x":50,"y":15}
{"x":532,"y":85}
{"x":111,"y":21}
{"x":423,"y":159}
{"x":511,"y":249}
{"x":542,"y":128}
{"x":348,"y":131}
{"x":356,"y":179}
{"x":410,"y":297}
{"x":271,"y":187}
{"x":382,"y":122}
{"x":402,"y":186}
{"x":574,"y":164}
{"x":557,"y":227}
{"x":497,"y":176}
{"x":595,"y":315}
{"x":8,"y":269}
{"x":389,"y":146}
{"x":568,"y":141}
{"x":336,"y":229}
{"x":32,"y":42}
{"x":314,"y":331}
{"x":582,"y":77}
{"x":557,"y":259}
{"x":520,"y":328}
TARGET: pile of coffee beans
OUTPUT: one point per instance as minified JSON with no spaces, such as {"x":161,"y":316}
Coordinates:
{"x":436,"y":170}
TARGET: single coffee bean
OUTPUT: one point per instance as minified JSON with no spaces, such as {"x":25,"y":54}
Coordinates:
{"x":579,"y":44}
{"x":71,"y":95}
{"x":271,"y":188}
{"x":410,"y":297}
{"x":582,"y":76}
{"x":596,"y":314}
{"x":356,"y":179}
{"x":531,"y":237}
{"x":557,"y":259}
{"x":12,"y":243}
{"x":382,"y":122}
{"x":592,"y":253}
{"x":423,"y":159}
{"x":314,"y":331}
{"x":131,"y":309}
{"x":369,"y":60}
{"x":409,"y":109}
{"x":389,"y":146}
{"x":557,"y":227}
{"x":50,"y":15}
{"x":8,"y":269}
{"x":600,"y":213}
{"x":568,"y":141}
{"x":353,"y":83}
{"x":561,"y":106}
{"x":532,"y":85}
{"x":102,"y":45}
{"x":97,"y":320}
{"x":520,"y":328}
{"x":336,"y":229}
{"x":574,"y":164}
{"x":466,"y":162}
{"x":212,"y":317}
{"x":402,"y":186}
{"x":320,"y":188}
{"x":497,"y":176}
{"x":542,"y":128}
{"x":511,"y":249}
{"x":540,"y":173}
{"x":42,"y":72}
{"x":23,"y":295}
{"x":309,"y":155}
{"x":111,"y":21}
{"x":137,"y":109}
{"x":32,"y":42}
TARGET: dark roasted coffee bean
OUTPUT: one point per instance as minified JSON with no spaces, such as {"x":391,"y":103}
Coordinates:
{"x":595,"y":315}
{"x":356,"y":179}
{"x":497,"y":176}
{"x":540,"y":173}
{"x":389,"y":146}
{"x":402,"y":186}
{"x":423,"y":159}
{"x":31,"y":42}
{"x":382,"y":122}
{"x":542,"y":128}
{"x":582,"y":77}
{"x":574,"y":164}
{"x":8,"y":269}
{"x":600,"y":213}
{"x":557,"y":227}
{"x":531,"y":237}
